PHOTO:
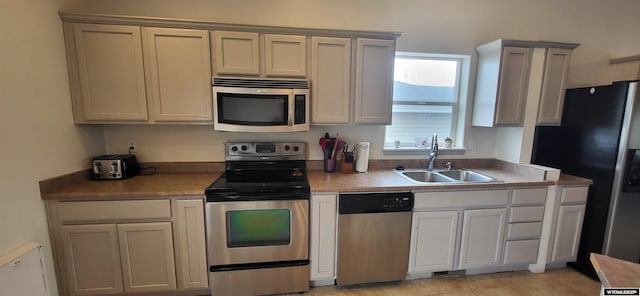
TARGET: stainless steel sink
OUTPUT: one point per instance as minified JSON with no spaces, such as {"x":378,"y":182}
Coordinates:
{"x":445,"y":176}
{"x":467,"y":176}
{"x":425,"y":176}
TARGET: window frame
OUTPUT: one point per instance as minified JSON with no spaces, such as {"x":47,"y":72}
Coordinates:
{"x":456,"y":120}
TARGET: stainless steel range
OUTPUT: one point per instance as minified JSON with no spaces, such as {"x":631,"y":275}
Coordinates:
{"x":257,"y":216}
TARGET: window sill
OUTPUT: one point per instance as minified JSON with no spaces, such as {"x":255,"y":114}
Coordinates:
{"x":421,"y":151}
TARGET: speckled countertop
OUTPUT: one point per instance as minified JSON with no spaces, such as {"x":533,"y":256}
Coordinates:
{"x":139,"y":187}
{"x":191,"y":183}
{"x":172,"y":180}
{"x":389,"y":180}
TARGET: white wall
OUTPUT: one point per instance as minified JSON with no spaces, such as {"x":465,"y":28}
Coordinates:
{"x":39,"y":139}
{"x":605,"y":29}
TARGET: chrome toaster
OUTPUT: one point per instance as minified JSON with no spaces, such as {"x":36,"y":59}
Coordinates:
{"x":114,"y":167}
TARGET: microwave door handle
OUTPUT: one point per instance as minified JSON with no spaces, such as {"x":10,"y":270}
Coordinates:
{"x":292,"y":108}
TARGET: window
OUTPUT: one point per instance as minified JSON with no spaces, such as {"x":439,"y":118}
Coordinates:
{"x":425,"y":100}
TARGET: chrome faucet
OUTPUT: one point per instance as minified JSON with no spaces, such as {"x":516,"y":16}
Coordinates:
{"x":433,"y":153}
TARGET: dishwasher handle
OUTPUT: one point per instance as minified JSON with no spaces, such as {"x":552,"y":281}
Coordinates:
{"x":375,"y":202}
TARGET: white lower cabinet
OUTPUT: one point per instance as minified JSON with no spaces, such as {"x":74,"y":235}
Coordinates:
{"x":92,"y":259}
{"x":433,"y":241}
{"x":482,"y":237}
{"x":190,"y":244}
{"x":457,"y":230}
{"x":116,"y":258}
{"x":125,"y":247}
{"x":568,"y":204}
{"x":146,"y":253}
{"x":524,"y":228}
{"x":323,"y":236}
{"x":568,"y":230}
{"x":476,"y":230}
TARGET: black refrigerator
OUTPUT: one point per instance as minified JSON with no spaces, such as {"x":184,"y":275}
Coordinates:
{"x":592,"y":142}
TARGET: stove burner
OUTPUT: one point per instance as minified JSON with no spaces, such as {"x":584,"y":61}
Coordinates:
{"x":262,"y":171}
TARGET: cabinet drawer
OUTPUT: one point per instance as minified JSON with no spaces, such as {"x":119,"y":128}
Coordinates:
{"x":524,"y":230}
{"x":574,"y":195}
{"x":449,"y":199}
{"x":526,"y":214}
{"x":521,"y":252}
{"x":113,"y":210}
{"x":529,"y":196}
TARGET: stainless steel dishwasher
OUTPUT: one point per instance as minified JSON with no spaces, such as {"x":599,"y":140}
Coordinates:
{"x":374,"y":231}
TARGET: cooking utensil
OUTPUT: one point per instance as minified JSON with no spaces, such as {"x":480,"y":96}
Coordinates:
{"x":335,"y":146}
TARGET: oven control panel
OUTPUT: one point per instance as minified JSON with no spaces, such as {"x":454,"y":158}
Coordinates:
{"x":265,"y":151}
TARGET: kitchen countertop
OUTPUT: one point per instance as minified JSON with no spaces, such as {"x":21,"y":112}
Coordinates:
{"x":616,"y":273}
{"x":389,"y":180}
{"x":164,"y":185}
{"x":141,"y":186}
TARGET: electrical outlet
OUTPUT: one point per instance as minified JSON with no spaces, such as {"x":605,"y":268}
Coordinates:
{"x":133,"y":147}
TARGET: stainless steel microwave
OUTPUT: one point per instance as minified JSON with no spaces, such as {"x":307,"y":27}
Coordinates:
{"x":260,"y":105}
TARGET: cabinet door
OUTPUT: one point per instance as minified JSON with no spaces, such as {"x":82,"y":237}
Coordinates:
{"x":512,"y":86}
{"x":556,"y":70}
{"x":323,"y":236}
{"x":146,"y":252}
{"x":236,"y":53}
{"x":91,"y":258}
{"x":374,"y":81}
{"x":568,"y":231}
{"x":482,"y":238}
{"x":109,"y":66}
{"x":330,"y":80}
{"x":178,"y":69}
{"x":433,"y":241}
{"x":190,"y":245}
{"x":285,"y":55}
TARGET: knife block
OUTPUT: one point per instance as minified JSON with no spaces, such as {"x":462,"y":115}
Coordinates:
{"x":346,"y":167}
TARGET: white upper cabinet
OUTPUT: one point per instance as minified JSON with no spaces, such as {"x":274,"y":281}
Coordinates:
{"x":132,"y":70}
{"x":129,"y":74}
{"x":177,"y":66}
{"x":106,"y":72}
{"x":505,"y":70}
{"x":374,"y":80}
{"x":236,"y":53}
{"x":338,"y":98}
{"x":556,"y":70}
{"x":241,"y":53}
{"x":501,"y":84}
{"x":285,"y":55}
{"x":512,"y":86}
{"x":330,"y":80}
